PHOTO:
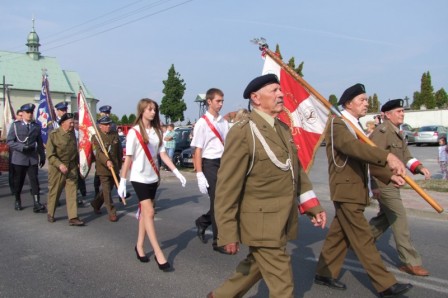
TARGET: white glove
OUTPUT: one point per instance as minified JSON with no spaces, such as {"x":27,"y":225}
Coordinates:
{"x":122,"y":188}
{"x":202,"y":182}
{"x":180,"y":177}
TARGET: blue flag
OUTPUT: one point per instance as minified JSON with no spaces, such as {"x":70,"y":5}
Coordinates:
{"x":44,"y":114}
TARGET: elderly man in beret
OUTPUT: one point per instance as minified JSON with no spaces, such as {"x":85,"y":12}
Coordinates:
{"x":105,"y":164}
{"x":348,"y":160}
{"x":63,"y":160}
{"x":392,"y":212}
{"x":25,"y":142}
{"x":259,"y":182}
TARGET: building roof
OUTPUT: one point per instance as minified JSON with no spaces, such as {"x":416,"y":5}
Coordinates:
{"x":24,"y":70}
{"x":26,"y":74}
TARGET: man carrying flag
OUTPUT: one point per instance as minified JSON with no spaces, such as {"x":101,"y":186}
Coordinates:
{"x":259,"y":182}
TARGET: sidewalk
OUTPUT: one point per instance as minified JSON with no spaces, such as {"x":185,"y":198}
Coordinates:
{"x":416,"y":205}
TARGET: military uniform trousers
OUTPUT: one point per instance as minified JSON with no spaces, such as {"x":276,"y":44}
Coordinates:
{"x":393,"y":214}
{"x":350,"y":228}
{"x":272,"y":264}
{"x":105,"y":195}
{"x":57,"y":182}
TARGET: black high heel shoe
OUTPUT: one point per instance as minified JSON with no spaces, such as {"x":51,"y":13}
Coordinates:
{"x":166,"y":267}
{"x":143,"y":259}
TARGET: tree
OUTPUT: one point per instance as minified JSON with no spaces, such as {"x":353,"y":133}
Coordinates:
{"x":441,"y":99}
{"x":427,"y":92}
{"x":333,"y":100}
{"x":124,"y":119}
{"x":173,"y":105}
{"x":114,"y":118}
{"x":374,"y":104}
{"x":277,"y":51}
{"x":426,"y":95}
{"x":416,"y":102}
{"x":132,"y":118}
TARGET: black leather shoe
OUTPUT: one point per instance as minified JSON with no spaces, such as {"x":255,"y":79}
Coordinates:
{"x":329,"y":282}
{"x":143,"y":259}
{"x":396,"y":290}
{"x":165,"y":267}
{"x":200,"y":231}
{"x":220,"y":249}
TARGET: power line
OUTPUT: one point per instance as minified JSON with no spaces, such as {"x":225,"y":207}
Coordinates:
{"x":122,"y":25}
{"x":53,"y":40}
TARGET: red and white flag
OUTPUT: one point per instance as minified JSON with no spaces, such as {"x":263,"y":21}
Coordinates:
{"x":85,"y":134}
{"x":303,"y":113}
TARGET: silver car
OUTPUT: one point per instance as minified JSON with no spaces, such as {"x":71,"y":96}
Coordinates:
{"x":408,"y":133}
{"x":430,"y":134}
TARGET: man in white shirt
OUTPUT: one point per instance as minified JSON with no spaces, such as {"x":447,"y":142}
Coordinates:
{"x":210,"y":132}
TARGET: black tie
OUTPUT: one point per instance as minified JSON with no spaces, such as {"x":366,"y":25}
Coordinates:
{"x":28,"y":126}
{"x":360,"y":125}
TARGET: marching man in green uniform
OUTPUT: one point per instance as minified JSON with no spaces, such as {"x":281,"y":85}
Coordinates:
{"x":63,"y":159}
{"x":348,"y":168}
{"x":259,"y":181}
{"x":105,"y":165}
{"x":392,"y":212}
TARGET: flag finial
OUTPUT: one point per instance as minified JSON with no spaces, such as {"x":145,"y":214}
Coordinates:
{"x":261,"y":42}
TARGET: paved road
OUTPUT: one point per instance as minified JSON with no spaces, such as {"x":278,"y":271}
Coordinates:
{"x":39,"y":259}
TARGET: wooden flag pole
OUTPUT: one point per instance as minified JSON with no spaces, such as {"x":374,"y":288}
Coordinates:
{"x":265,"y":49}
{"x":100,"y":141}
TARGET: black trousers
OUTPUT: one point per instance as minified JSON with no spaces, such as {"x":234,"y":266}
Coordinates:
{"x":19,"y":178}
{"x":210,"y":169}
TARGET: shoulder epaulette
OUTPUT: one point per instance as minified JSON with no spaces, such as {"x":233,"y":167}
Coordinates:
{"x":242,"y":122}
{"x":383,"y":128}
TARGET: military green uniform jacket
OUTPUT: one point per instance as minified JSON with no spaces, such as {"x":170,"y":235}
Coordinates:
{"x":112,"y":144}
{"x":62,"y":149}
{"x":259,"y":208}
{"x":387,"y":136}
{"x":348,"y":176}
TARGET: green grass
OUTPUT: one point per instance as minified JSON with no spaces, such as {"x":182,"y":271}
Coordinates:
{"x":432,"y":184}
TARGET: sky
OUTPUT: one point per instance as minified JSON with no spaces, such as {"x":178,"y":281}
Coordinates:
{"x":123,"y":49}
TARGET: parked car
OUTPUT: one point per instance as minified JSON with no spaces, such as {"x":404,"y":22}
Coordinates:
{"x":408,"y":133}
{"x":182,"y":137}
{"x":429,"y":134}
{"x":186,"y":158}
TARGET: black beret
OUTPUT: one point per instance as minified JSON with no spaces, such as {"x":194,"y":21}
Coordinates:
{"x":351,"y":93}
{"x":66,"y":116}
{"x":105,"y":120}
{"x":29,"y":107}
{"x":62,"y":106}
{"x":105,"y":109}
{"x":392,"y":104}
{"x":259,"y":82}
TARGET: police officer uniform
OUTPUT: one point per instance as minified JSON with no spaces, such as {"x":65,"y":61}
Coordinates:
{"x":392,"y":212}
{"x":25,"y":141}
{"x":62,"y":150}
{"x":111,"y":143}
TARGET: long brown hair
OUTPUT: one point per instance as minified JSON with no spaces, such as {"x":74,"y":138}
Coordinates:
{"x":155,"y":123}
